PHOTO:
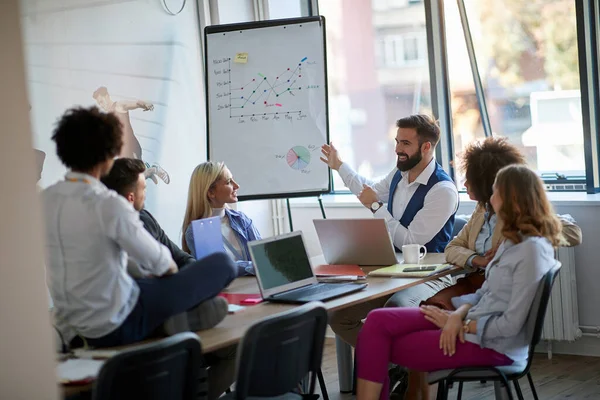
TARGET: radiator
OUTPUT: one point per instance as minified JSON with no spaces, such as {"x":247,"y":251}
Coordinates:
{"x":562,"y":317}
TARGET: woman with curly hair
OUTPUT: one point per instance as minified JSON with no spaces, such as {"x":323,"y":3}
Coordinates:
{"x":477,"y":242}
{"x":488,"y":327}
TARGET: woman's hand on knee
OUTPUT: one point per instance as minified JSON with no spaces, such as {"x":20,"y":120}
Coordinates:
{"x":435,"y":315}
{"x":452,"y":331}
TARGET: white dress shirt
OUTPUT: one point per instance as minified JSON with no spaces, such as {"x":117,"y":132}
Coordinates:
{"x":90,"y":232}
{"x":440,"y":203}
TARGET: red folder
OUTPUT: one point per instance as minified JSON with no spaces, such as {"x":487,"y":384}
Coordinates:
{"x":244,"y":299}
{"x":339,"y":270}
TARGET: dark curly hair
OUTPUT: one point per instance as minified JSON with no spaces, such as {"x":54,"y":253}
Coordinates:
{"x":482,"y":160}
{"x":85,"y":137}
{"x":427,"y":128}
{"x":124,"y":175}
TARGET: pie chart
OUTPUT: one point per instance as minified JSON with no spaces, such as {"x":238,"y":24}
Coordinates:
{"x":298,"y":157}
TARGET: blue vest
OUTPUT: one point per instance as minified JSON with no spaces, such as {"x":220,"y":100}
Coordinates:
{"x":441,"y":239}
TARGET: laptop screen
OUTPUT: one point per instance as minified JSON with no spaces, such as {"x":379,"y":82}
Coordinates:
{"x":281,"y":261}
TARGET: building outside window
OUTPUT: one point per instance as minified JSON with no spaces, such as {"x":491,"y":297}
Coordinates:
{"x":528,"y":62}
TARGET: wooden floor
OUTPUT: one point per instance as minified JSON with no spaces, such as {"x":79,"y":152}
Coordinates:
{"x":563,"y":377}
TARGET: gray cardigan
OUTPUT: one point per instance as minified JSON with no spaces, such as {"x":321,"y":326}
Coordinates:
{"x":502,"y":304}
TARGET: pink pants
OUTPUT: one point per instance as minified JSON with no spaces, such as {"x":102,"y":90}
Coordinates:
{"x":404,"y":337}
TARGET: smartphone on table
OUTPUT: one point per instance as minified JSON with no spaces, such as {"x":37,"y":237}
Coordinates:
{"x":422,"y":268}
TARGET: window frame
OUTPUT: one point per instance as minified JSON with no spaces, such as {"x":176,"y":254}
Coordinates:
{"x":588,"y":18}
{"x":588,"y":23}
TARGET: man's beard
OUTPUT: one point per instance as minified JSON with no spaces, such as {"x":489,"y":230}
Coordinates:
{"x":410,"y":162}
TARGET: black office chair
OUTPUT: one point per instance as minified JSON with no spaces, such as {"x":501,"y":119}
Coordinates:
{"x":278,"y":352}
{"x":170,"y":368}
{"x":535,"y":324}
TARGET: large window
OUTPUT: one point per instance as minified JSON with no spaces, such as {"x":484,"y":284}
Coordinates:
{"x":377,"y":55}
{"x":278,"y":9}
{"x":527,"y":58}
{"x":233,"y":11}
{"x":378,"y":73}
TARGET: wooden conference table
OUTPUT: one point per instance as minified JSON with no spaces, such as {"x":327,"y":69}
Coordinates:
{"x":233,"y":327}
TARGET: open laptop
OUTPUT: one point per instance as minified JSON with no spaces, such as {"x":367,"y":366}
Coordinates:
{"x":356,"y":241}
{"x":285,"y":275}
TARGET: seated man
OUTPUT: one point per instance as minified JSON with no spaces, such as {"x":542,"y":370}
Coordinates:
{"x":421,"y":202}
{"x":127,"y":178}
{"x":90,"y":233}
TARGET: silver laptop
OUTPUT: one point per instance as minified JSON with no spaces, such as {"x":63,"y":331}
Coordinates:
{"x":356,"y":241}
{"x":284,"y":273}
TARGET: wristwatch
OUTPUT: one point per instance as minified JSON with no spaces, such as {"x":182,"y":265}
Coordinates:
{"x":466,"y":325}
{"x":376,"y":206}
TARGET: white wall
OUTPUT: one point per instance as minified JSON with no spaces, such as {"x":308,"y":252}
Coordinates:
{"x":138,"y":51}
{"x":260,"y":213}
{"x":26,"y":350}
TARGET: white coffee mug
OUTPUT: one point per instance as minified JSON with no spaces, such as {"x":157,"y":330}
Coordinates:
{"x":412,"y":253}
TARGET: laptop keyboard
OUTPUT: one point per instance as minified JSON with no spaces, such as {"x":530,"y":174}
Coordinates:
{"x":320,"y":291}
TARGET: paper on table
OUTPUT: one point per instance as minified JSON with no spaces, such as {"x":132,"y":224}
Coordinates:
{"x":78,"y":370}
{"x":397,"y":270}
{"x":233,"y":308}
{"x":96,"y":354}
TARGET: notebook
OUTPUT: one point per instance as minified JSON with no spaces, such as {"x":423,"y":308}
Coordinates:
{"x":329,"y":270}
{"x":397,"y":271}
{"x":208,"y":238}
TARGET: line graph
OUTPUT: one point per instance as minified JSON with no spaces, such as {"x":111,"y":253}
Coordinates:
{"x":265,"y":95}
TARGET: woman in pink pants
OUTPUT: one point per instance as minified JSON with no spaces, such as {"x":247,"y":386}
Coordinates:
{"x":488,"y":327}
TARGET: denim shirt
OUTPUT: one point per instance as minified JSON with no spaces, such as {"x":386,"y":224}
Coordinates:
{"x":246,"y":232}
{"x":483,"y":243}
{"x":502,"y":304}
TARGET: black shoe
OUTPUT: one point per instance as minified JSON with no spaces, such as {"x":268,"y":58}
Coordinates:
{"x":398,"y":382}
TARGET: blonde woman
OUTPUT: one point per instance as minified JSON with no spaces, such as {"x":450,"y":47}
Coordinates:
{"x":211,"y":188}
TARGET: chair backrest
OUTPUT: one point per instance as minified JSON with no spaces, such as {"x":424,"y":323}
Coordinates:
{"x":277,"y":352}
{"x":166,"y":369}
{"x":459,"y":223}
{"x":537,"y":312}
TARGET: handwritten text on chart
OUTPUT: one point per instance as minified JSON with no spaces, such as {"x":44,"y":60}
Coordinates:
{"x":276,"y":117}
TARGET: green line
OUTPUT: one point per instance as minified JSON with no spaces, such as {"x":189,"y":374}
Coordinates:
{"x":262,"y":76}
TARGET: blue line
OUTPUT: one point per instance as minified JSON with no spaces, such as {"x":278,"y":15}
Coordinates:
{"x":304,"y":59}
